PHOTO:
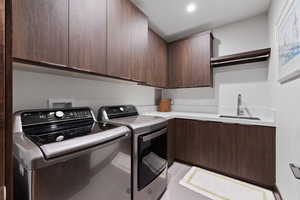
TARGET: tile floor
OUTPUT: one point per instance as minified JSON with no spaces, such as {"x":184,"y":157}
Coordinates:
{"x":176,"y":191}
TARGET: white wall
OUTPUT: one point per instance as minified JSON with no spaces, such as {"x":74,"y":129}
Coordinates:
{"x":255,"y":97}
{"x":286,"y":99}
{"x":242,"y":36}
{"x":33,"y":90}
{"x":246,"y":35}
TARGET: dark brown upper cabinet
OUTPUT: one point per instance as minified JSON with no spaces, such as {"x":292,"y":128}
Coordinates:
{"x":189,"y":61}
{"x":175,"y":69}
{"x":87,"y":39}
{"x":40,"y":30}
{"x":127,"y":41}
{"x":109,"y":38}
{"x":157,"y":69}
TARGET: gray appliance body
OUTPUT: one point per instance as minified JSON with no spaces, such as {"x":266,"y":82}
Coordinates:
{"x":91,"y":167}
{"x":144,"y":128}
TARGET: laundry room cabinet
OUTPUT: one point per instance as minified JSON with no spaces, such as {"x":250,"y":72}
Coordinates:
{"x":157,"y":68}
{"x":245,"y":152}
{"x":87,"y":35}
{"x":189,"y":61}
{"x":127,"y":41}
{"x":108,"y":38}
{"x":40,"y":31}
{"x":102,"y":37}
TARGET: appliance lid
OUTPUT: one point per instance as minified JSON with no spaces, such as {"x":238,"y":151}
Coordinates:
{"x":58,"y":132}
{"x":141,"y":123}
{"x":57,"y":149}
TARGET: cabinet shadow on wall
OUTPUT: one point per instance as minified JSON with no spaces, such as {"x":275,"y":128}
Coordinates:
{"x":216,"y":45}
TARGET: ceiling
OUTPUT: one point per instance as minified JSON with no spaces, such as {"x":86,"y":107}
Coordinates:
{"x":170,"y":19}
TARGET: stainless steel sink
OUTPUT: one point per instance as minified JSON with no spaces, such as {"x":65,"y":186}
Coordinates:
{"x":239,"y":117}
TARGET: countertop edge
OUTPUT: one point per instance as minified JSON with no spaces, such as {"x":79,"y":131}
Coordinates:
{"x":210,"y":117}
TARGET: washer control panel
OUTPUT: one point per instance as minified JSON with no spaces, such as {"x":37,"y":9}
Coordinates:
{"x":49,"y":116}
{"x":111,"y":112}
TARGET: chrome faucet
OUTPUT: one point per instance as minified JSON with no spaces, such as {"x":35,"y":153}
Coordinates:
{"x":240,"y":111}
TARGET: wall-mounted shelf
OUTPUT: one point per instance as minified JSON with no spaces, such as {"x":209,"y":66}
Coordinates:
{"x":241,"y":58}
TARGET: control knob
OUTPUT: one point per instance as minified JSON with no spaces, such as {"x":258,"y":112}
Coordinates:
{"x":60,"y":138}
{"x":59,"y":114}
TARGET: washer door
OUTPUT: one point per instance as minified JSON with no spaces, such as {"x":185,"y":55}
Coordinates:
{"x":152,"y":156}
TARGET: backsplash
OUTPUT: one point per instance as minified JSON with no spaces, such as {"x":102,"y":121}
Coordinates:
{"x":32,"y":90}
{"x":207,"y":99}
{"x":256,"y":98}
{"x":191,"y":105}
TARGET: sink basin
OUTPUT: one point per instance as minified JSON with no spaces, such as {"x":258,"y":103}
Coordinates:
{"x":240,"y":117}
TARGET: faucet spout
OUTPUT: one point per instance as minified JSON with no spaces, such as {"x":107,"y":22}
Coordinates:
{"x":239,"y":105}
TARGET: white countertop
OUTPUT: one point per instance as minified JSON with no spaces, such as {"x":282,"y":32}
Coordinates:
{"x":211,"y":117}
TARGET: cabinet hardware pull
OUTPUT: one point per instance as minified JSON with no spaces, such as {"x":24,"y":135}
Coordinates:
{"x":50,"y":63}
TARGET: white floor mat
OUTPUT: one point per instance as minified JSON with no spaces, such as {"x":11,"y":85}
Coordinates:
{"x":218,"y":187}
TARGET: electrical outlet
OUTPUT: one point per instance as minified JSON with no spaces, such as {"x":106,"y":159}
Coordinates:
{"x":60,"y":103}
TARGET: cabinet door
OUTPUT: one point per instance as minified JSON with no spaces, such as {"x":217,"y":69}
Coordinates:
{"x":177,"y":64}
{"x":171,"y":141}
{"x":227,"y":148}
{"x":87,"y":30}
{"x":211,"y":145}
{"x":196,"y":142}
{"x":192,"y":147}
{"x":157,"y":57}
{"x":256,"y":154}
{"x":189,"y":62}
{"x":243,"y":151}
{"x":208,"y":148}
{"x":181,"y":139}
{"x":127,"y":41}
{"x":40,"y":30}
{"x":200,"y":53}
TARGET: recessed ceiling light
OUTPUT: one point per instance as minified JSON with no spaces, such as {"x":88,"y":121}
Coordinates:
{"x":191,"y":7}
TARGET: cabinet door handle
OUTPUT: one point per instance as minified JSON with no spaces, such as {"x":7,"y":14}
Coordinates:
{"x":81,"y":69}
{"x":154,"y":135}
{"x":53,"y":64}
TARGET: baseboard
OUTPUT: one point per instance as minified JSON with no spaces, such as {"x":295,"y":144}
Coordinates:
{"x":277,"y":193}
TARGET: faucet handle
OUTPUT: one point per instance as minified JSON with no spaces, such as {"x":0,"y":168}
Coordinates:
{"x":241,"y":111}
